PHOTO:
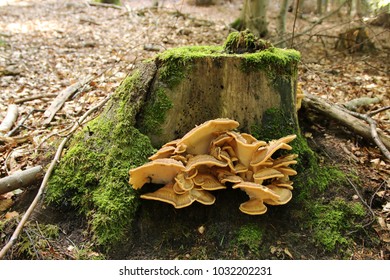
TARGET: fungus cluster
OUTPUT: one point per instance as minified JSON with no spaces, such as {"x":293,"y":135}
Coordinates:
{"x":213,"y":156}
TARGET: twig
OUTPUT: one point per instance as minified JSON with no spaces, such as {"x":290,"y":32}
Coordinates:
{"x":20,"y":179}
{"x":46,"y":178}
{"x":10,"y":118}
{"x":373,"y":113}
{"x":20,"y":124}
{"x":343,"y":116}
{"x":295,"y":20}
{"x":62,"y":97}
{"x":365,"y":204}
{"x":373,"y":130}
{"x":33,"y":97}
{"x":317,"y":22}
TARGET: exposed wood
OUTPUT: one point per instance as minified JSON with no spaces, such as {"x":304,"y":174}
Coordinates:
{"x":64,"y":95}
{"x":353,"y":123}
{"x":10,"y":118}
{"x":228,"y":92}
{"x":20,"y":179}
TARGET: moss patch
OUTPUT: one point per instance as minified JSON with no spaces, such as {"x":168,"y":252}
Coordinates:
{"x":248,"y":240}
{"x":92,"y":177}
{"x":153,"y":114}
{"x":244,"y":42}
{"x":330,"y":223}
{"x":174,"y":63}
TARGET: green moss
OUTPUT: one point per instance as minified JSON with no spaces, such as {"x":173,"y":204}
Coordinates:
{"x":244,"y":42}
{"x":174,"y":63}
{"x":154,"y":112}
{"x":92,"y":177}
{"x":330,"y":222}
{"x":248,"y":240}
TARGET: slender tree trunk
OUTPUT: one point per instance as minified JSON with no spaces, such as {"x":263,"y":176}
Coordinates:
{"x":282,"y":20}
{"x":361,"y":8}
{"x":319,"y":7}
{"x":253,"y":17}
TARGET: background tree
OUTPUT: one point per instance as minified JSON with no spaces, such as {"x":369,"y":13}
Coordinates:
{"x":253,"y":17}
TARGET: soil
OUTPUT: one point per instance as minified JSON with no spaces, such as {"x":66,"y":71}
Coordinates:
{"x":48,"y":45}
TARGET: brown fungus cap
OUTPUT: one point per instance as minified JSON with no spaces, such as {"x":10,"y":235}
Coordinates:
{"x":159,"y":171}
{"x":208,"y":182}
{"x":284,"y":194}
{"x":253,"y":206}
{"x":254,"y":190}
{"x":197,"y":140}
{"x":167,"y":194}
{"x":164,"y":152}
{"x":200,"y":160}
{"x":202,"y":196}
{"x":184,"y":183}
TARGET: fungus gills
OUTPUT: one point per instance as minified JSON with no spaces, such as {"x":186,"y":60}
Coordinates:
{"x":211,"y":155}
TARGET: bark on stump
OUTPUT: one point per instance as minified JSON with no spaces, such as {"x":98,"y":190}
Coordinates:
{"x":165,"y":98}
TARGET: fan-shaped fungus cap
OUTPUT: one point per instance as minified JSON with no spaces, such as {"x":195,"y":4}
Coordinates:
{"x":202,"y":196}
{"x":242,"y":148}
{"x":284,"y":194}
{"x":159,"y":171}
{"x":257,"y":191}
{"x":253,"y":206}
{"x":167,"y":194}
{"x":164,"y":152}
{"x":227,"y":176}
{"x":200,"y":160}
{"x":207,"y":182}
{"x":285,"y":160}
{"x":198,"y":139}
{"x":264,"y":153}
{"x":267,"y":173}
{"x":287,"y":171}
{"x":184,"y":183}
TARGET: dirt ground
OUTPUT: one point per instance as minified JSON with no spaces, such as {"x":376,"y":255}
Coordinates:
{"x":45,"y":46}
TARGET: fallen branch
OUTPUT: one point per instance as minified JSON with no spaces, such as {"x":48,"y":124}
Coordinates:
{"x":374,"y":132}
{"x":64,"y":95}
{"x":33,"y":97}
{"x":10,"y":118}
{"x":354,"y":104}
{"x":345,"y":118}
{"x":20,"y":179}
{"x":20,"y":124}
{"x":53,"y":163}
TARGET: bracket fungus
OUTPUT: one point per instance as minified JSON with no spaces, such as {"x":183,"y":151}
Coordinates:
{"x":214,"y":156}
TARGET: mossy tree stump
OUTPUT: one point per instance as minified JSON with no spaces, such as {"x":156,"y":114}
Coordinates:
{"x":165,"y":98}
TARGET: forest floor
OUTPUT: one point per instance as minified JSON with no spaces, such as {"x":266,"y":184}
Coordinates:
{"x":47,"y":45}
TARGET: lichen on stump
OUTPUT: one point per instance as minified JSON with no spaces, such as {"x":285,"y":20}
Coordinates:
{"x":166,"y":97}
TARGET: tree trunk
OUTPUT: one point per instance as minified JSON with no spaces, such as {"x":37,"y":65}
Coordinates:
{"x":253,"y":17}
{"x":282,"y":21}
{"x":161,"y":101}
{"x":319,"y":7}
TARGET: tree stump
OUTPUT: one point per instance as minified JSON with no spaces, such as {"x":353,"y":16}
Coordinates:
{"x":165,"y":98}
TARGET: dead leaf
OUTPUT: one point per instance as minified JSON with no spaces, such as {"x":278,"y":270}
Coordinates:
{"x":11,"y":215}
{"x":201,"y":229}
{"x":5,"y":204}
{"x":287,"y":252}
